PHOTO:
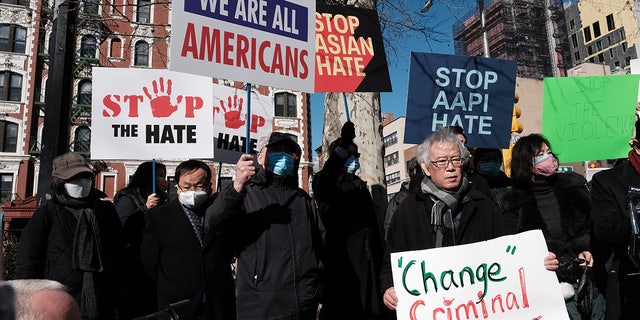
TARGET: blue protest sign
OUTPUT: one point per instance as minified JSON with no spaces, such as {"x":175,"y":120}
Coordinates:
{"x":475,"y":93}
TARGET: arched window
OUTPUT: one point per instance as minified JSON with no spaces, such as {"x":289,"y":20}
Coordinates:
{"x":9,"y":136}
{"x":10,"y":86}
{"x":286,"y":105}
{"x":144,"y":11}
{"x":115,"y":51}
{"x":82,"y":140}
{"x":84,"y":92}
{"x":142,"y":54}
{"x":13,"y":38}
{"x":88,"y":47}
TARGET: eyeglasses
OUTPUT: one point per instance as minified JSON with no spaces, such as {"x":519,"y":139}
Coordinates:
{"x":198,"y":187}
{"x":441,"y":164}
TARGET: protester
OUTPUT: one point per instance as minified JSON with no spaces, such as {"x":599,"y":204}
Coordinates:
{"x":172,"y":245}
{"x":353,"y":243}
{"x":438,"y":216}
{"x":279,"y":237}
{"x":36,"y":299}
{"x":476,"y":180}
{"x":610,"y":216}
{"x":75,"y":239}
{"x":559,"y":205}
{"x":487,"y":163}
{"x":132,"y":203}
{"x":413,"y":185}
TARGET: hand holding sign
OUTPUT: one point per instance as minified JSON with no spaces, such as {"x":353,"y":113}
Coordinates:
{"x":161,"y":106}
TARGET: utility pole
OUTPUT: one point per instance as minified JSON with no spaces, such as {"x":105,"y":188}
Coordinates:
{"x":55,"y":133}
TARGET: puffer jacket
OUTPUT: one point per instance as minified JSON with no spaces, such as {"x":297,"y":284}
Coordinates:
{"x":278,"y":249}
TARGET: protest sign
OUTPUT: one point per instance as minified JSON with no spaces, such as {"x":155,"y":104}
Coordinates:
{"x":263,"y":42}
{"x":150,"y":114}
{"x":350,"y":53}
{"x":499,"y":279}
{"x":589,"y":118}
{"x":230,"y":120}
{"x":475,"y":93}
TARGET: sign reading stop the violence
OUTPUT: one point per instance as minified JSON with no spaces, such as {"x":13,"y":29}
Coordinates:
{"x":154,"y":114}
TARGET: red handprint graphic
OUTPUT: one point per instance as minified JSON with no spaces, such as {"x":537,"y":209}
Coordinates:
{"x":161,"y":106}
{"x":232,"y":112}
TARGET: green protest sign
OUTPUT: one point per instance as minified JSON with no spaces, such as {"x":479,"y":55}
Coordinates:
{"x":589,"y":118}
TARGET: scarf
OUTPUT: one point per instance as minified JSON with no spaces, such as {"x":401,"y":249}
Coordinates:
{"x":634,"y":158}
{"x":445,"y":202}
{"x":86,"y":256}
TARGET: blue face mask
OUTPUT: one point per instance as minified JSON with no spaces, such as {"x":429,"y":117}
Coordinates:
{"x":280,"y":163}
{"x":489,"y":169}
{"x":352,"y":164}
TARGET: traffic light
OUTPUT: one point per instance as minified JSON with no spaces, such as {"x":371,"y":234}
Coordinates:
{"x":516,"y":126}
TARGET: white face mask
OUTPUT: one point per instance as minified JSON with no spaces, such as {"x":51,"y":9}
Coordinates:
{"x":193,"y":199}
{"x":78,"y":188}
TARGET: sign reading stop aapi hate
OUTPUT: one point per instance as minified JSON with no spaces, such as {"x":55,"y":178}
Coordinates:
{"x":150,"y":114}
{"x":589,"y":118}
{"x":499,"y":279}
{"x":475,"y":93}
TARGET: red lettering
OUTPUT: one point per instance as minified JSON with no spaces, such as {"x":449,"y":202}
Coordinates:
{"x":210,"y":45}
{"x":414,"y":306}
{"x":112,"y":105}
{"x":253,"y":53}
{"x":291,"y":62}
{"x":523,"y":289}
{"x":276,"y":63}
{"x":241,"y":55}
{"x":228,"y":48}
{"x":133,"y":104}
{"x":303,"y":62}
{"x":263,"y":47}
{"x":190,"y":45}
{"x":192,"y":104}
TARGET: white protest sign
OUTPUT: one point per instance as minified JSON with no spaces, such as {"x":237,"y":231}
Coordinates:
{"x":230,"y":122}
{"x":263,"y":42}
{"x":150,"y":114}
{"x":499,"y":279}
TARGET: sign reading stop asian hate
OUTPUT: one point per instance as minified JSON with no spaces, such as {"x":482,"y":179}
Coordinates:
{"x":262,"y":42}
{"x":499,"y":279}
{"x":589,"y":118}
{"x":150,"y":114}
{"x":474,"y":93}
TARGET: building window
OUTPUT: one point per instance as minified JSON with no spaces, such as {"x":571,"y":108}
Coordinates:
{"x":587,"y":34}
{"x":10,"y":86}
{"x":88,"y":47}
{"x":598,"y":45}
{"x":391,"y":159}
{"x":285,"y":105}
{"x":627,"y":61}
{"x":623,"y":36}
{"x":141,"y":54}
{"x":611,"y":53}
{"x":589,"y":50}
{"x":84,"y":92}
{"x":10,"y":136}
{"x":576,"y":56}
{"x":390,"y":139}
{"x":6,"y":187}
{"x":13,"y":38}
{"x":574,"y":40}
{"x":16,"y":2}
{"x":611,"y":24}
{"x":617,"y":64}
{"x":115,"y":50}
{"x":91,"y":7}
{"x":144,"y":11}
{"x":596,"y":29}
{"x":392,"y":178}
{"x":601,"y":57}
{"x":572,"y":24}
{"x":624,"y":47}
{"x":82,"y":140}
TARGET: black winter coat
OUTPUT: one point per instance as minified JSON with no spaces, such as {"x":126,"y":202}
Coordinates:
{"x":46,"y":247}
{"x":411,"y":228}
{"x":278,"y":250}
{"x":353,"y":243}
{"x":521,"y":214}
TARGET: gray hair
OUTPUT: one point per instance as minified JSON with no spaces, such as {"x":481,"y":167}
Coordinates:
{"x":21,"y":291}
{"x":262,"y":142}
{"x":442,"y":134}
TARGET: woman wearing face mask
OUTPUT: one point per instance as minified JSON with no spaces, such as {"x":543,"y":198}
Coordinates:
{"x":559,"y":205}
{"x":132,"y":203}
{"x":75,"y":239}
{"x":488,"y":163}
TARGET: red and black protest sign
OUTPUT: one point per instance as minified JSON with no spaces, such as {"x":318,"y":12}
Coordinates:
{"x":350,"y":53}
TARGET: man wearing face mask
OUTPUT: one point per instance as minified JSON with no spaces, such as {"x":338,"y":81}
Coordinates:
{"x":76,"y":239}
{"x":172,"y":242}
{"x":279,"y":234}
{"x":487,"y":163}
{"x":353,"y":241}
